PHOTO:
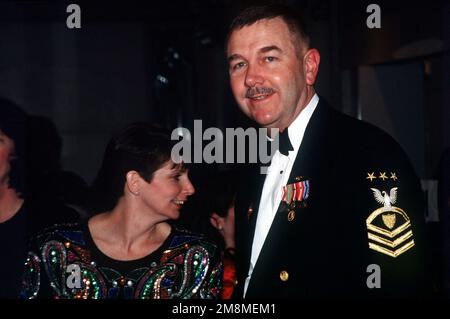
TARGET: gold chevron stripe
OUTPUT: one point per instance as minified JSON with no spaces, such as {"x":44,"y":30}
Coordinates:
{"x":391,"y":253}
{"x":390,"y":243}
{"x":390,"y":234}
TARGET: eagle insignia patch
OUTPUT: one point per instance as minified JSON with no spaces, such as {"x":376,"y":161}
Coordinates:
{"x":389,"y":227}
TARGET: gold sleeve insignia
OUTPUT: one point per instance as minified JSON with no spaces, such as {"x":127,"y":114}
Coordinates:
{"x":389,"y":227}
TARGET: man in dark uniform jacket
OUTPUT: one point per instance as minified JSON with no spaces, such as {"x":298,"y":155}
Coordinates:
{"x":340,"y":211}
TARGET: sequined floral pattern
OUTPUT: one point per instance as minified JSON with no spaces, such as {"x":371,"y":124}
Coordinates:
{"x":189,"y":266}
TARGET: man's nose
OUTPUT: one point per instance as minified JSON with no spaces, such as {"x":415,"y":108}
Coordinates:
{"x":253,"y":76}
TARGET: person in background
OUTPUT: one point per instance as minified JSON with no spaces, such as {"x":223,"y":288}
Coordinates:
{"x":21,"y":216}
{"x":15,"y":225}
{"x":221,"y":209}
{"x":211,"y":212}
{"x":61,"y":191}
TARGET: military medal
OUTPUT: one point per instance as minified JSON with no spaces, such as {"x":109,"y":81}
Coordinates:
{"x":295,"y":192}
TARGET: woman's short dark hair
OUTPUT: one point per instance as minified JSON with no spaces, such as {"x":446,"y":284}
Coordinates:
{"x":13,"y":124}
{"x":139,"y":147}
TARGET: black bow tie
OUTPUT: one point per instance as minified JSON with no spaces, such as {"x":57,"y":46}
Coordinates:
{"x":284,"y":143}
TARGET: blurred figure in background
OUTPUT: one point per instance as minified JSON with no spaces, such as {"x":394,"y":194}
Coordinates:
{"x":21,"y":214}
{"x":15,"y":220}
{"x":49,"y":185}
{"x":221,"y":210}
{"x":211,"y":212}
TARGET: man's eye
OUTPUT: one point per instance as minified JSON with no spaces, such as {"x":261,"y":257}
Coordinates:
{"x":238,"y":66}
{"x":270,"y":58}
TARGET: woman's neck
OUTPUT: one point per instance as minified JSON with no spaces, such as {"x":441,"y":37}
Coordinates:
{"x":124,"y":234}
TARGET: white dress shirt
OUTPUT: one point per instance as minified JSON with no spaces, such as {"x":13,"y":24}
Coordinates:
{"x":277,"y":176}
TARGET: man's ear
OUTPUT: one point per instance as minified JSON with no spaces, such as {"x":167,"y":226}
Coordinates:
{"x":216,"y":221}
{"x":311,"y":61}
{"x":133,"y":180}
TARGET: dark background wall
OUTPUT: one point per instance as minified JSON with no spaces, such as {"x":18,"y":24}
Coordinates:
{"x":164,"y":62}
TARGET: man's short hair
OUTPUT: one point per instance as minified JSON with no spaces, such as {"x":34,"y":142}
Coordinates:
{"x":292,"y":19}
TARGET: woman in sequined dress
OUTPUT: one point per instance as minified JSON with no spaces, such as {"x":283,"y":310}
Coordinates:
{"x":130,"y":249}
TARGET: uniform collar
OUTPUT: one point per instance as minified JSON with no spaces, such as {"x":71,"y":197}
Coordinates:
{"x":297,"y":128}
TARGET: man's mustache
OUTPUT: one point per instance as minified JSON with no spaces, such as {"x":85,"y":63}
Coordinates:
{"x":255,"y":91}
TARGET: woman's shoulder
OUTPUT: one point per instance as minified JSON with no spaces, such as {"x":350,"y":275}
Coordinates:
{"x":184,"y":238}
{"x":65,"y":233}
